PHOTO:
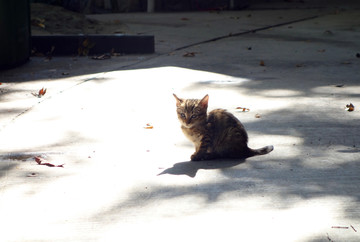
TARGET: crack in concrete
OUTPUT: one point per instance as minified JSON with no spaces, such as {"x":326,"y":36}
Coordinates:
{"x":246,"y":32}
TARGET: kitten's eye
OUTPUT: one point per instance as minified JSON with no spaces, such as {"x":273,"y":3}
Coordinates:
{"x":194,"y":116}
{"x":182,"y":115}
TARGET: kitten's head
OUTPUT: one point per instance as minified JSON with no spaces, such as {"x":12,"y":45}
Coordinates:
{"x":191,"y":111}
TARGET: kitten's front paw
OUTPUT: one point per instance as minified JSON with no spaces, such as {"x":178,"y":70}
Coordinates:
{"x":203,"y":156}
{"x":196,"y":157}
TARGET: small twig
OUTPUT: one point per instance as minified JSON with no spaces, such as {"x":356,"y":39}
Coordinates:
{"x":340,"y":227}
{"x":353,"y":228}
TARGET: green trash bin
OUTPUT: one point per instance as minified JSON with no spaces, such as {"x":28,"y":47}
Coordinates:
{"x":14,"y":32}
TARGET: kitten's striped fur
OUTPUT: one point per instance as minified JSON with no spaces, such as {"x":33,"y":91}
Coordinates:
{"x":218,"y":134}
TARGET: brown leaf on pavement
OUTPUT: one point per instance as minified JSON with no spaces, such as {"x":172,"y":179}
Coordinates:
{"x":84,"y":47}
{"x":189,"y":54}
{"x":243,"y":109}
{"x":101,"y":57}
{"x":39,"y":22}
{"x":148,"y":126}
{"x":40,"y":94}
{"x":350,"y":107}
{"x":42,"y":161}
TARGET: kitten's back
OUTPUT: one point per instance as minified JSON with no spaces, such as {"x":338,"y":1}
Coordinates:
{"x":228,"y":134}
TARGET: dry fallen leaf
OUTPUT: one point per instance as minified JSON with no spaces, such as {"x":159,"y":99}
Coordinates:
{"x":42,"y":161}
{"x":39,"y":22}
{"x":262,"y":63}
{"x":257,"y":115}
{"x":189,"y":54}
{"x":38,"y":159}
{"x":243,"y":109}
{"x":101,"y":57}
{"x":148,"y":126}
{"x":40,"y":94}
{"x":328,"y":32}
{"x":113,"y":53}
{"x":350,"y":107}
{"x":84,"y":47}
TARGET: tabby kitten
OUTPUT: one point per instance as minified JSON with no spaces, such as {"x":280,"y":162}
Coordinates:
{"x":218,"y":134}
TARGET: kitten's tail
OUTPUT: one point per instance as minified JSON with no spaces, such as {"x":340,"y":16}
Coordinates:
{"x":262,"y":151}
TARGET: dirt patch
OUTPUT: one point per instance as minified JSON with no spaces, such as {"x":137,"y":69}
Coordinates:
{"x":50,"y":20}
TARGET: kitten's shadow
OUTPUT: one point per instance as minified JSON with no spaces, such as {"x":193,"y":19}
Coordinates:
{"x":190,"y":168}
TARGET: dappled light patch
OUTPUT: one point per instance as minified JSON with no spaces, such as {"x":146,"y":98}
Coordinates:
{"x":278,"y":93}
{"x":126,"y":171}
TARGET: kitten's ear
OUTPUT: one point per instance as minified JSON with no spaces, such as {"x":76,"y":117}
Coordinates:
{"x":178,"y":100}
{"x":204,"y":102}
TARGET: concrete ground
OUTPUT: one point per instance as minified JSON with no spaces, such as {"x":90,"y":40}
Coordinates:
{"x":121,"y":181}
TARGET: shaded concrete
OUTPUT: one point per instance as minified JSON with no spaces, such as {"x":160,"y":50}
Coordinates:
{"x":121,"y":181}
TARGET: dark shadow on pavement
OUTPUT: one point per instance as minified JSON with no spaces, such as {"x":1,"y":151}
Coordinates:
{"x":190,"y":168}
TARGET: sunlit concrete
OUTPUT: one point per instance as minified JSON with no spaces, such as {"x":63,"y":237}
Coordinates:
{"x":122,"y":182}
